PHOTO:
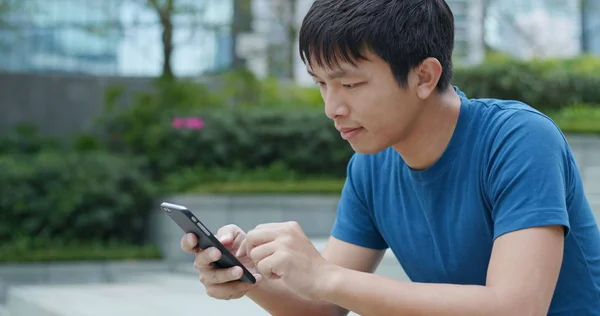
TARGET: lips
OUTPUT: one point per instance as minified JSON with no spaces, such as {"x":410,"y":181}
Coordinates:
{"x":349,"y":132}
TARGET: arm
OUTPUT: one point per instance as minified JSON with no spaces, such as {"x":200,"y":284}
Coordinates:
{"x":276,"y":298}
{"x":527,"y":185}
{"x":521,"y":279}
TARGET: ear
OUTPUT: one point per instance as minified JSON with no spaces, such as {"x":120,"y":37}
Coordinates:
{"x":428,"y":74}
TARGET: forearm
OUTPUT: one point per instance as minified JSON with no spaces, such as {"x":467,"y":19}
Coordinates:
{"x":369,"y":294}
{"x":277,"y":299}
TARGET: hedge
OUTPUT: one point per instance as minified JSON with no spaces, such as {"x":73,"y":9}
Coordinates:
{"x":59,"y":197}
{"x":302,"y":140}
{"x":544,"y":87}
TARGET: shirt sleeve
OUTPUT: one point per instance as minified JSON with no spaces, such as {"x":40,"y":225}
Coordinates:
{"x":528,"y":176}
{"x":354,"y":222}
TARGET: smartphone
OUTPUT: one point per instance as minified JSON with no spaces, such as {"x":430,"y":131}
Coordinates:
{"x":189,"y":223}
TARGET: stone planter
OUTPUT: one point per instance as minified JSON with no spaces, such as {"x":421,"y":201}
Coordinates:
{"x":314,"y":213}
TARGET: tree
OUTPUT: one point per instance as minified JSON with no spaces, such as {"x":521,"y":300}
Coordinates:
{"x":8,"y":8}
{"x":191,"y":13}
{"x":281,"y":51}
{"x":242,"y":23}
{"x":536,"y":32}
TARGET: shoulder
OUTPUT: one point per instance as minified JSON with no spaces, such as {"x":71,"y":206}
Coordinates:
{"x":508,"y":123}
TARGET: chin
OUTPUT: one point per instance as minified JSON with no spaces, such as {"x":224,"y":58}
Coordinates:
{"x":367,"y":149}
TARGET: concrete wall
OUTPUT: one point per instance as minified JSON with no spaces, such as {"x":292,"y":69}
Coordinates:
{"x":315,"y":214}
{"x":59,"y":104}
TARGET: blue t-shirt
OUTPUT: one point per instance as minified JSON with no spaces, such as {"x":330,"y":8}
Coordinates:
{"x":507,"y":167}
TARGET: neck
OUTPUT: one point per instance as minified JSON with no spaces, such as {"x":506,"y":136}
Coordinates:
{"x":431,"y":132}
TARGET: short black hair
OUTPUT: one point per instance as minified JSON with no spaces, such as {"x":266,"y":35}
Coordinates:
{"x":401,"y":32}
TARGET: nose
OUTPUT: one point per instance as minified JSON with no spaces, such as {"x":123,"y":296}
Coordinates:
{"x":335,"y":106}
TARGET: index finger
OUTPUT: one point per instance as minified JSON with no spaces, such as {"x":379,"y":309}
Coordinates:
{"x":258,"y":237}
{"x":228,"y":233}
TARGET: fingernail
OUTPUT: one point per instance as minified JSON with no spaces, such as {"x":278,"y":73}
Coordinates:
{"x":235,"y":272}
{"x":190,"y":239}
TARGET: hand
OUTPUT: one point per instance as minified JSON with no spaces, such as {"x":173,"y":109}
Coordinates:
{"x":282,"y":251}
{"x":221,"y":283}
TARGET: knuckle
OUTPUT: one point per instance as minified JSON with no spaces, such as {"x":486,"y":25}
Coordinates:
{"x":197,"y":264}
{"x":286,"y":256}
{"x":215,"y":277}
{"x":201,"y":260}
{"x":286,"y":240}
{"x":229,"y":228}
{"x":237,"y":290}
{"x":293,"y":225}
{"x":211,"y":292}
{"x":252,"y":254}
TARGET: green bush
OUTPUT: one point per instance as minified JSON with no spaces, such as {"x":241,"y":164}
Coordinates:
{"x":250,"y":123}
{"x":62,"y":197}
{"x":578,"y":119}
{"x":547,"y":85}
{"x":301,"y":140}
{"x":25,"y":139}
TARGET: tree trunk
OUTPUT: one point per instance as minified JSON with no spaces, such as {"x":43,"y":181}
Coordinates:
{"x":585,"y":28}
{"x":165,"y":15}
{"x":291,"y":38}
{"x":167,"y":38}
{"x":242,"y":23}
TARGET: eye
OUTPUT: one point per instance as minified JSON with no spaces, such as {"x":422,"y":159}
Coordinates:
{"x":320,"y":83}
{"x":350,"y":86}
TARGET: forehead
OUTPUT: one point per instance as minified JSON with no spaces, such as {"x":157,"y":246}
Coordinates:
{"x":341,"y":68}
{"x":333,"y":72}
{"x":349,"y":62}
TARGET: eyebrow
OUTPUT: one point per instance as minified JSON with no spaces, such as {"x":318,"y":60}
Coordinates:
{"x":333,"y":75}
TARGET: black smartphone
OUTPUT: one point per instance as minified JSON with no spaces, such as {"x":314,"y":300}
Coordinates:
{"x":189,"y":223}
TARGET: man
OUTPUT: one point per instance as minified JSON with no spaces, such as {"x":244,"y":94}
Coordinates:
{"x":480,"y":200}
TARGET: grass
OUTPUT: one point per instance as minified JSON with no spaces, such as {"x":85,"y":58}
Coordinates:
{"x":579,"y":119}
{"x":307,"y":186}
{"x":14,"y":253}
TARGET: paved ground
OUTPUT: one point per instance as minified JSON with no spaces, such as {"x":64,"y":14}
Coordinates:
{"x":156,"y":295}
{"x":161,"y":294}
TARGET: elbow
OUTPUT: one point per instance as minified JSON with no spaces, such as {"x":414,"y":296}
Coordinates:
{"x":522,"y":307}
{"x":528,"y":309}
{"x":321,"y":310}
{"x":520,"y":304}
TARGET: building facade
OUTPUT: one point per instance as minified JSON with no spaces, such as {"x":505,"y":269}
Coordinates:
{"x":113,"y":38}
{"x":534,"y":28}
{"x":591,"y":23}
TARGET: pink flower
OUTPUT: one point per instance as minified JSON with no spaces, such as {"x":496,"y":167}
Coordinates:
{"x":196,"y":123}
{"x":177,"y":123}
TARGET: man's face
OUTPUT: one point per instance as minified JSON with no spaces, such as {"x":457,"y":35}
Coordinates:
{"x":366,"y":103}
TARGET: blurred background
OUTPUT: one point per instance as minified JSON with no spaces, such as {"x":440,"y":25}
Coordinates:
{"x":108,"y":108}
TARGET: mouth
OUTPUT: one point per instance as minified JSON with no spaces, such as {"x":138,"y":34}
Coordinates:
{"x":348,"y":133}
